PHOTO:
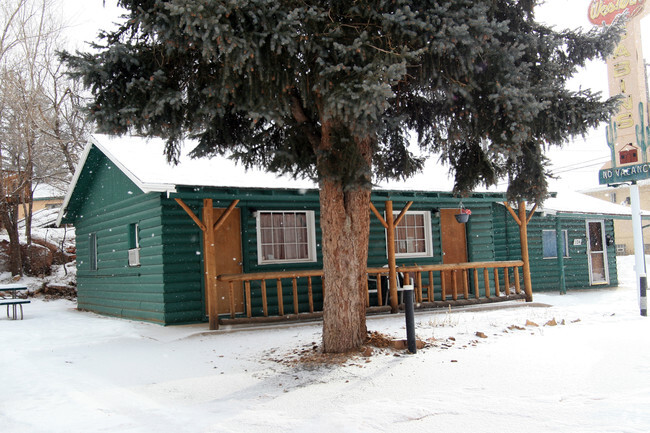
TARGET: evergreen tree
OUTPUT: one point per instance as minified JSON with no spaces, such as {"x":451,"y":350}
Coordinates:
{"x":333,"y":90}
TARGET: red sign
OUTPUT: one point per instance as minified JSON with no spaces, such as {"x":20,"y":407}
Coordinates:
{"x":604,"y":11}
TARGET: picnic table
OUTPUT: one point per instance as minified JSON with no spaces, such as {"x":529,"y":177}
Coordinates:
{"x":14,"y":302}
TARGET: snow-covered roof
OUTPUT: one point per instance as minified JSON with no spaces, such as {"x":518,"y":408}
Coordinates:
{"x":143,"y":161}
{"x":569,"y":202}
{"x":45,"y":191}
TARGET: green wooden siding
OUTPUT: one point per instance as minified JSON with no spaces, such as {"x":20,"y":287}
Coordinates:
{"x":545,"y":273}
{"x":116,"y":288}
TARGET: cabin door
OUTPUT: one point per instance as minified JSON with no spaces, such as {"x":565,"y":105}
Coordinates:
{"x":228,"y":259}
{"x":597,"y":252}
{"x":454,"y":245}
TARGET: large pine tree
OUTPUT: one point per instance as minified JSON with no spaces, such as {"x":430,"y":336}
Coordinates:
{"x":333,"y":90}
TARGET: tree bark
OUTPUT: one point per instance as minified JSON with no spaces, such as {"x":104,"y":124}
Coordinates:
{"x":345,"y":227}
{"x":345,"y":222}
{"x":9,"y":216}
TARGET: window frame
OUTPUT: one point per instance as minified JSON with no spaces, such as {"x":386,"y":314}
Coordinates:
{"x":566,"y":244}
{"x":134,"y":245}
{"x":311,"y":236}
{"x":428,"y":242}
{"x":92,"y":251}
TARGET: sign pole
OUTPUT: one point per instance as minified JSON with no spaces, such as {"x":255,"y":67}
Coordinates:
{"x":637,"y":230}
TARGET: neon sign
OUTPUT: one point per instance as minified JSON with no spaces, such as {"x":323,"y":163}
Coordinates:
{"x":604,"y":11}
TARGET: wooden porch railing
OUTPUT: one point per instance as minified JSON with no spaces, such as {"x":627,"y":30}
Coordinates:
{"x":429,"y":281}
{"x":458,"y":275}
{"x":278,"y":276}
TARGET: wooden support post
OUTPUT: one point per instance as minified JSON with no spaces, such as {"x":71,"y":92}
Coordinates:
{"x":392,"y":273}
{"x":430,"y":292}
{"x":476,"y":287}
{"x":280,"y":299}
{"x":443,"y":286}
{"x":523,"y":233}
{"x":210,"y":264}
{"x":497,"y":289}
{"x":522,"y":221}
{"x":310,"y":295}
{"x":506,"y":281}
{"x":419,"y":286}
{"x":231,"y":293}
{"x":294,"y":284}
{"x":389,"y":224}
{"x":247,"y":285}
{"x":454,"y":285}
{"x":465,"y":284}
{"x":265,"y":304}
{"x":209,"y":226}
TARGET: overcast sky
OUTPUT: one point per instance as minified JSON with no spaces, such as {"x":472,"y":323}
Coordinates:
{"x":577,"y":163}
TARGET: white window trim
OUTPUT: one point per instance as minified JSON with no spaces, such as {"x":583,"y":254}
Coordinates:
{"x":566,"y":244}
{"x":311,"y":237}
{"x":428,"y":245}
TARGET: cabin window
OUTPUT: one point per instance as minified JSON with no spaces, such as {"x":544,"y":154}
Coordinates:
{"x":549,"y":243}
{"x":134,"y":244}
{"x":92,"y":251}
{"x":285,"y":236}
{"x":413,"y":235}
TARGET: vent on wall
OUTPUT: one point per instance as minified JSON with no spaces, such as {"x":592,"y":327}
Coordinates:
{"x":134,"y":257}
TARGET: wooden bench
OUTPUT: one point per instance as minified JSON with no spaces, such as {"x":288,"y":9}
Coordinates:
{"x":13,"y":303}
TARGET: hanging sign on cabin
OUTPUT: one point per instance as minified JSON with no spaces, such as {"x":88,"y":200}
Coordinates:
{"x":627,"y":132}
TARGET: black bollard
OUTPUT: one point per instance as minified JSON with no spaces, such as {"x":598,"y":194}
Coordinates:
{"x":410,"y":318}
{"x":643,"y":301}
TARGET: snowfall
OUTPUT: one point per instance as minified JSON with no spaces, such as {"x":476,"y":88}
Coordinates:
{"x":505,"y":368}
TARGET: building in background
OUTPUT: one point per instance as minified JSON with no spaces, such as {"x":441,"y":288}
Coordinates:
{"x":623,"y":227}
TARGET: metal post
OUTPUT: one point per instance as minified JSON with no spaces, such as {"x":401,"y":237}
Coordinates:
{"x":639,"y":254}
{"x":643,"y":283}
{"x":410,"y":318}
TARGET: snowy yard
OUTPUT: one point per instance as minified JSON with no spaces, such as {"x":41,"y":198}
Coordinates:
{"x":70,"y":371}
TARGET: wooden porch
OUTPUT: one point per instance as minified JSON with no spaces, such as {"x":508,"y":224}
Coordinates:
{"x":281,"y":294}
{"x":246,"y":297}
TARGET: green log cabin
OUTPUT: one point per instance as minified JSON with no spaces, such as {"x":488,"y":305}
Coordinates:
{"x":206,"y":240}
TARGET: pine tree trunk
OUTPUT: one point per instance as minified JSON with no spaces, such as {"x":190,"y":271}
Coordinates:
{"x":345,"y":227}
{"x":345,"y":220}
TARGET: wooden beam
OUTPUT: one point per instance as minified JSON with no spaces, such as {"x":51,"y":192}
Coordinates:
{"x":402,"y":213}
{"x":187,"y":209}
{"x":532,"y":212}
{"x":378,"y":215}
{"x":512,"y":212}
{"x":224,"y":216}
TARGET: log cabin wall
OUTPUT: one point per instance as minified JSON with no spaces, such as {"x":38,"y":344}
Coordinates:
{"x":545,"y":273}
{"x":106,"y":284}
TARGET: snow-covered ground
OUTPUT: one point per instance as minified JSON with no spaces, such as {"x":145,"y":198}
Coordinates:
{"x":68,"y":371}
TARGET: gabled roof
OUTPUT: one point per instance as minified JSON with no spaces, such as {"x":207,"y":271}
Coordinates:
{"x":143,"y":161}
